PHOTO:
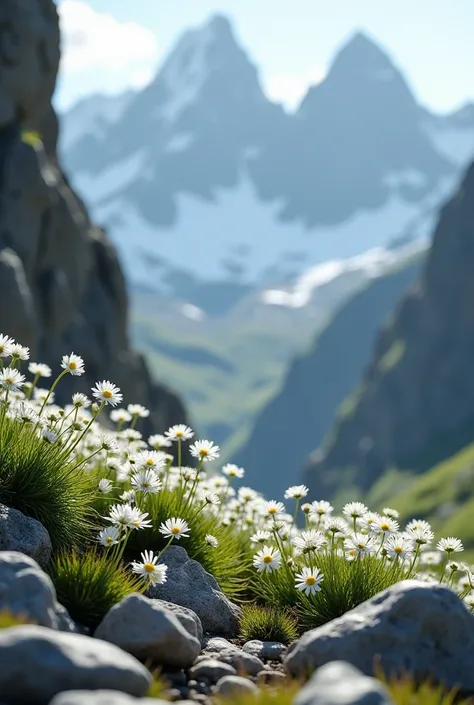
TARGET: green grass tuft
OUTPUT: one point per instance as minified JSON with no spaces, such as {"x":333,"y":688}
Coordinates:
{"x":268,"y":624}
{"x":88,"y":584}
{"x":36,"y":480}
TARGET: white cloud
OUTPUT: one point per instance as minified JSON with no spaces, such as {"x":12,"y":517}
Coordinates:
{"x":290,"y":88}
{"x":122,"y":53}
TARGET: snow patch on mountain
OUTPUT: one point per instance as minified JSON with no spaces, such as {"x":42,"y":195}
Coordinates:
{"x":97,"y":187}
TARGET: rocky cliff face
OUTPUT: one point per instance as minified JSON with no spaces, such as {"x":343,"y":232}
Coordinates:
{"x":415,"y":404}
{"x":61,"y":284}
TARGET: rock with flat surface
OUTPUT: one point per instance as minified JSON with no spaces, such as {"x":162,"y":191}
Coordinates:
{"x":144,"y":628}
{"x":24,"y":534}
{"x":101,"y":697}
{"x":211,"y":669}
{"x":413,"y":627}
{"x":37,"y":663}
{"x":339,"y":683}
{"x":235,"y":685}
{"x":189,"y":585}
{"x":186,"y":616}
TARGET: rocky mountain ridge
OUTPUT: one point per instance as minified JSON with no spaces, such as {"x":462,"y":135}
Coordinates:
{"x":415,"y":403}
{"x":61,"y":283}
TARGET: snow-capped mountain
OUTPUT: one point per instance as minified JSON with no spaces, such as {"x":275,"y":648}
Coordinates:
{"x":210,"y":190}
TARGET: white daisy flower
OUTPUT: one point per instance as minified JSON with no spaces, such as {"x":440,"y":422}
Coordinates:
{"x":73,"y":364}
{"x":309,"y":541}
{"x":19,"y":352}
{"x":146,"y":481}
{"x":211,"y":540}
{"x":362,"y":544}
{"x":128,"y":517}
{"x":399,"y":546}
{"x":109,"y":536}
{"x":105,"y":486}
{"x":272,"y":508}
{"x":48,"y":435}
{"x":267,"y":559}
{"x":175,"y":527}
{"x":233,"y":471}
{"x":6,"y":345}
{"x":296,"y":492}
{"x":11,"y":379}
{"x":336,"y":525}
{"x":80,"y":401}
{"x":107,"y":393}
{"x":355,"y":510}
{"x":420,"y":535}
{"x":128,"y":496}
{"x":157,"y":441}
{"x":153,"y":459}
{"x":150,"y":569}
{"x":138,"y":410}
{"x":450,"y":545}
{"x":247,"y":494}
{"x":26,"y":413}
{"x":179,"y":432}
{"x":211,"y":498}
{"x":204,"y":450}
{"x":384,"y":525}
{"x":389,"y":512}
{"x":38,"y":368}
{"x":120,"y":416}
{"x":260,"y":536}
{"x":109,"y":444}
{"x":430,"y":558}
{"x":321,"y":508}
{"x":309,"y":580}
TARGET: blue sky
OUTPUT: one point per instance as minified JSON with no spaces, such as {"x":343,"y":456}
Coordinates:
{"x":112,"y":45}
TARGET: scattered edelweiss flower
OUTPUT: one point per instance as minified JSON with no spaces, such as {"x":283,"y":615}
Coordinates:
{"x":355,"y":510}
{"x":138,"y":410}
{"x":309,"y":541}
{"x":309,"y":580}
{"x":204,"y":450}
{"x":361,"y":544}
{"x":107,"y":393}
{"x":260,"y":536}
{"x":211,"y":540}
{"x":399,"y":546}
{"x":105,"y":486}
{"x":146,"y":481}
{"x":384,"y":525}
{"x":11,"y":379}
{"x":296,"y":492}
{"x":38,"y":368}
{"x":150,"y":569}
{"x":180,"y":432}
{"x":175,"y":528}
{"x":450,"y":545}
{"x":73,"y":364}
{"x":267,"y":559}
{"x":233,"y":471}
{"x":157,"y":441}
{"x":19,"y":352}
{"x":120,"y":416}
{"x":272,"y":508}
{"x":6,"y":344}
{"x":109,"y":536}
{"x":321,"y":508}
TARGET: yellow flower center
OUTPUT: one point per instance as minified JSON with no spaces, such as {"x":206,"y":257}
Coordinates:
{"x":146,"y":484}
{"x":360,"y":546}
{"x":149,"y":567}
{"x":107,"y":393}
{"x":272,"y":510}
{"x":72,"y":365}
{"x":310,"y":580}
{"x":267,"y":559}
{"x":179,"y":434}
{"x":384,"y":527}
{"x":150,"y":462}
{"x":203,"y":452}
{"x":175,"y":530}
{"x":398,"y":549}
{"x":108,"y":540}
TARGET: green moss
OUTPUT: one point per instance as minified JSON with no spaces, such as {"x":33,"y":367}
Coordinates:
{"x":393,"y":356}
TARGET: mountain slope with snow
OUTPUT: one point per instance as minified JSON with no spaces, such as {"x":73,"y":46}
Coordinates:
{"x":209,"y":188}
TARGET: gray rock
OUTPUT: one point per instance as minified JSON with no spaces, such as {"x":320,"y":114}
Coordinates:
{"x":244,"y":663}
{"x":186,"y":616}
{"x":214,"y":644}
{"x":265,"y":650}
{"x":24,"y":534}
{"x":412,"y":626}
{"x":339,"y":683}
{"x":37,"y":663}
{"x":189,"y":585}
{"x":145,"y":629}
{"x":235,"y":685}
{"x":270,"y":677}
{"x":26,"y":591}
{"x":211,"y":669}
{"x":101,"y":697}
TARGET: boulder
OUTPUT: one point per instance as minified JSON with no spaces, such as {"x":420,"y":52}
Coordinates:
{"x":185,"y":616}
{"x":101,"y":697}
{"x":211,"y":669}
{"x":26,"y":591}
{"x":24,"y":534}
{"x":265,"y":650}
{"x":243,"y":662}
{"x":235,"y":685}
{"x":339,"y":683}
{"x":145,"y":629}
{"x":189,"y":585}
{"x":37,"y":663}
{"x":413,"y":626}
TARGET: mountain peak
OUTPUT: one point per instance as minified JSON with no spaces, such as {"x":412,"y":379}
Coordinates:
{"x":362,"y":55}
